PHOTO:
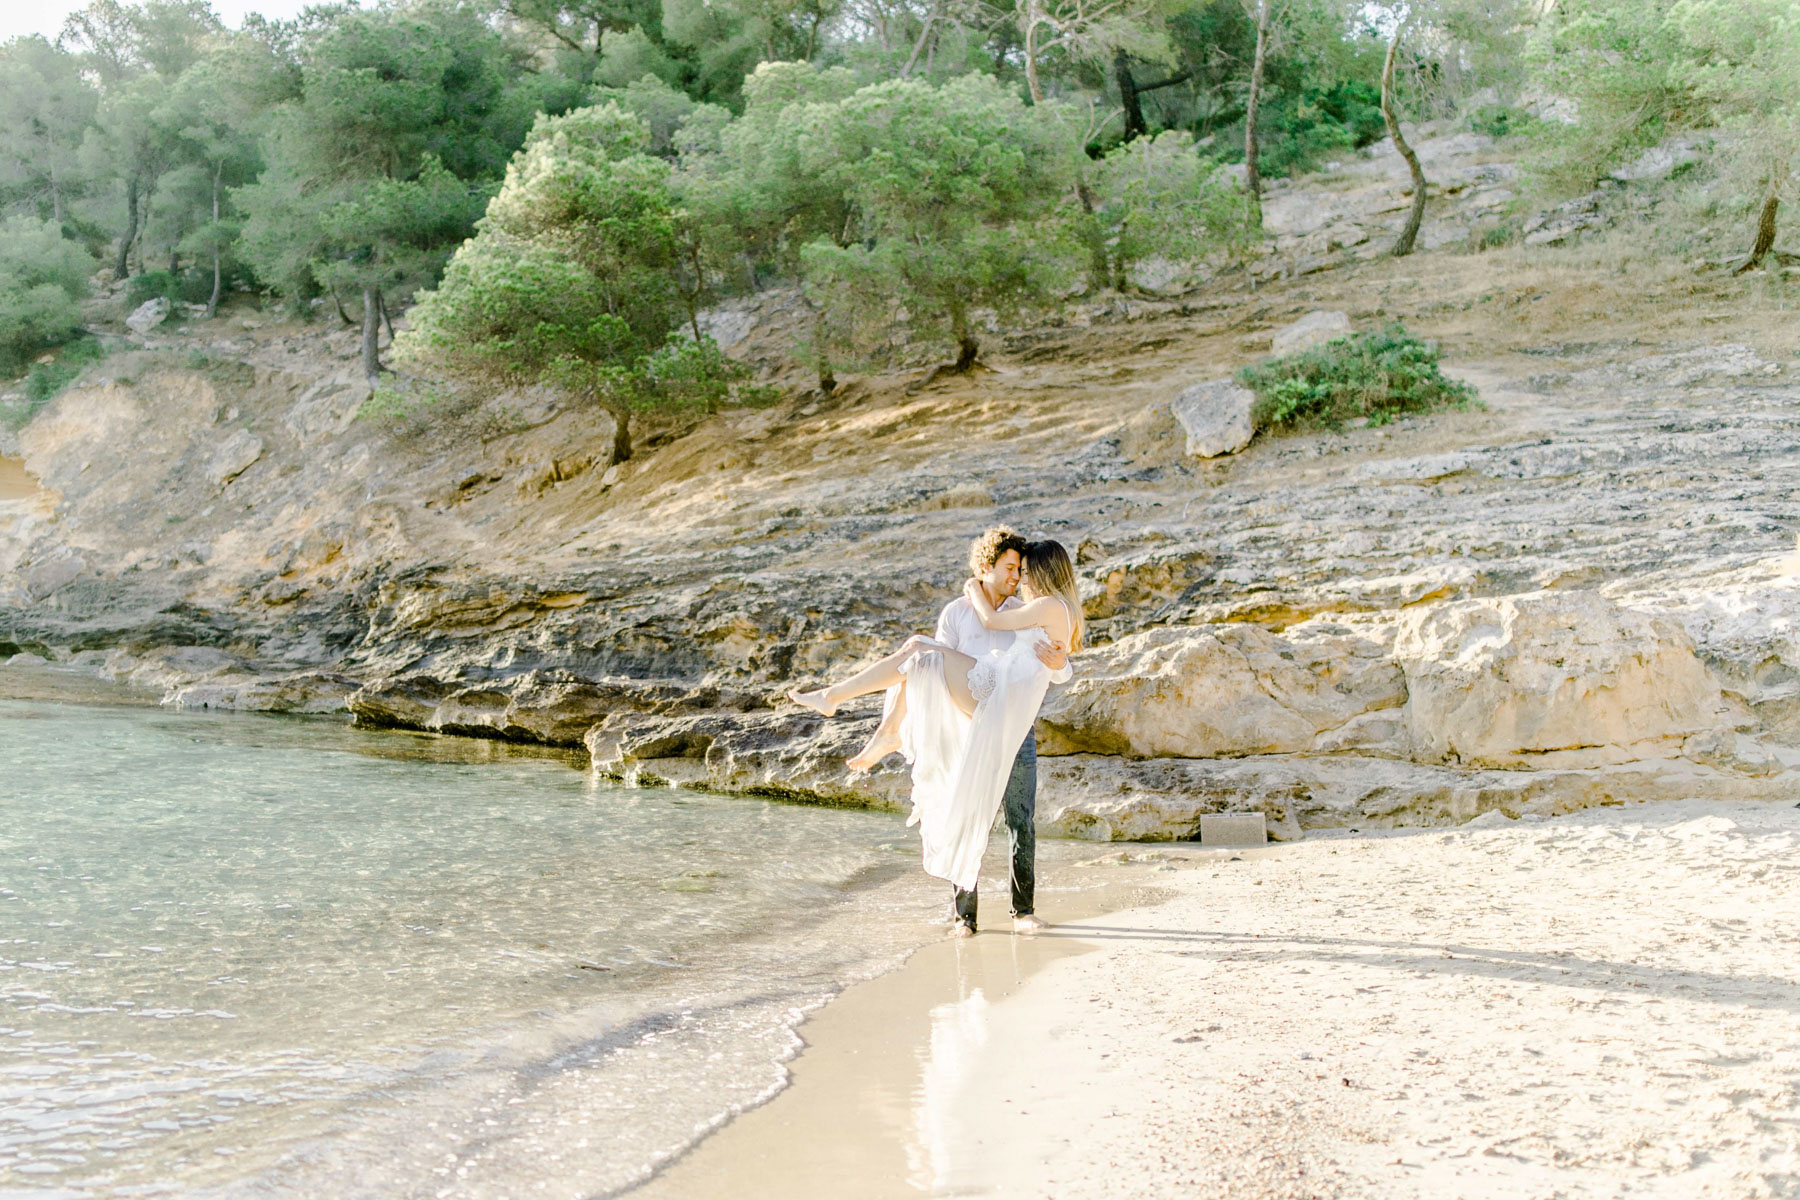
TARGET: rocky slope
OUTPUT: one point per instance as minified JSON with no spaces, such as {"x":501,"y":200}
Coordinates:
{"x":1578,"y":595}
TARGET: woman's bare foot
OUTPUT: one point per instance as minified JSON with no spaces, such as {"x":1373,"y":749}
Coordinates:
{"x":814,"y":700}
{"x":870,"y":755}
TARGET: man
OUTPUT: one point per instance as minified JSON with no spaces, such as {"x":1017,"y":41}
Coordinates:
{"x":994,"y":560}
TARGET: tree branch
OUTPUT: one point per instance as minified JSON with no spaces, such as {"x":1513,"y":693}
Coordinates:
{"x":1171,"y":81}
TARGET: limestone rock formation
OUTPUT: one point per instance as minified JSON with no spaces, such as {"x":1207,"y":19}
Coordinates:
{"x":1659,"y":161}
{"x":1216,"y":417}
{"x":552,"y":708}
{"x":792,"y":754}
{"x":1218,"y":691}
{"x":1582,"y":594}
{"x":1103,"y":798}
{"x":233,"y":456}
{"x":1507,"y":680}
{"x":148,"y":316}
{"x":1314,"y":329}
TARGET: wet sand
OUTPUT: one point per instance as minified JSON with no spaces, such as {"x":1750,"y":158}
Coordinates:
{"x":1605,"y":1004}
{"x":876,"y":1095}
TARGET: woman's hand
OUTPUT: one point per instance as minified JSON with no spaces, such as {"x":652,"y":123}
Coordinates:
{"x":978,"y":600}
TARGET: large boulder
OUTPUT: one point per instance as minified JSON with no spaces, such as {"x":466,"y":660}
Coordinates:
{"x":1222,"y":690}
{"x":546,"y":707}
{"x":148,"y":316}
{"x":1314,"y":329}
{"x":1216,"y":417}
{"x":793,"y":754}
{"x":1564,"y":677}
{"x":1659,"y":161}
{"x":233,"y":456}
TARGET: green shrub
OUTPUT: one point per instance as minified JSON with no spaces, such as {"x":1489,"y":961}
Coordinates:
{"x":1378,"y":376}
{"x":1492,"y":237}
{"x":1300,"y":130}
{"x":47,"y":379}
{"x":1497,"y":120}
{"x":43,"y":279}
{"x":190,"y":286}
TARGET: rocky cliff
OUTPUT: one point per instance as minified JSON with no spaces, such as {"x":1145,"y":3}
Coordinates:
{"x":1580,"y":594}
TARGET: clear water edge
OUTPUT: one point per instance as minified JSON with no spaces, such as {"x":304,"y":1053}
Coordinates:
{"x":394,"y":1006}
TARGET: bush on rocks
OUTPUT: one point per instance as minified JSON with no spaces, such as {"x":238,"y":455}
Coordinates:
{"x":1378,"y":376}
{"x":43,"y":279}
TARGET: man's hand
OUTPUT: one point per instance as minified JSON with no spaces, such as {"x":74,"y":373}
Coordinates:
{"x":1053,"y":655}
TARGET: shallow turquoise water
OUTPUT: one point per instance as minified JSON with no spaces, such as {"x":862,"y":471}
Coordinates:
{"x":252,"y":955}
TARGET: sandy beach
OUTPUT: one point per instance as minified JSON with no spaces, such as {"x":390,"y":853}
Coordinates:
{"x":1596,"y":1005}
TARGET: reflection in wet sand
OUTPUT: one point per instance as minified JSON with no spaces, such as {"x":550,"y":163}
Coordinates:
{"x":958,"y":1034}
{"x":881,"y":1094}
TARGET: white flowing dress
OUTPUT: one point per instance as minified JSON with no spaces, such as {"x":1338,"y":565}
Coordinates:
{"x":960,"y":764}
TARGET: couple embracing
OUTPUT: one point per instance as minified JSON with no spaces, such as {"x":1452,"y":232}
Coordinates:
{"x":960,"y":707}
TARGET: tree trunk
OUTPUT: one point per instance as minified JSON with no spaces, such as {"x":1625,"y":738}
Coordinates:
{"x":212,"y":303}
{"x":371,"y":336}
{"x":1128,"y":96}
{"x":1099,"y":263}
{"x":924,"y":36}
{"x":827,"y":376}
{"x":121,"y":263}
{"x":1252,"y":148}
{"x":1403,"y":245}
{"x":139,"y":240}
{"x":1031,"y":73}
{"x":386,"y":319}
{"x":690,"y":297}
{"x":1765,"y":233}
{"x":621,"y":447}
{"x":56,"y":204}
{"x":967,"y":348}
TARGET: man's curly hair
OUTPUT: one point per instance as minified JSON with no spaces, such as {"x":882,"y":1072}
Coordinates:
{"x":991,"y":545}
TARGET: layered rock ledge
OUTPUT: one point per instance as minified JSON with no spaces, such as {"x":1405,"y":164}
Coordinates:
{"x":1582,"y":594}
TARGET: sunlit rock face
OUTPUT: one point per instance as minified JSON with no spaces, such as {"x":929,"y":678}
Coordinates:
{"x":1314,"y":329}
{"x":1505,"y":681}
{"x":1216,"y":417}
{"x":1217,"y":691}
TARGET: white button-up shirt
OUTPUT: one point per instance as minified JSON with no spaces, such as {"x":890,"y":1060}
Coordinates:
{"x":959,"y":628}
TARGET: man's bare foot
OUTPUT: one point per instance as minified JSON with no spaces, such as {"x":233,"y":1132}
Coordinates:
{"x":959,"y":930}
{"x":1030,"y":924}
{"x":814,"y":700}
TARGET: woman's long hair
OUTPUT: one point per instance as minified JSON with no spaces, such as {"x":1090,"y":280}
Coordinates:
{"x":1051,"y":573}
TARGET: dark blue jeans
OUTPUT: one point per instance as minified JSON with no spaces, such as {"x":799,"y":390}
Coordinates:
{"x":1020,"y":807}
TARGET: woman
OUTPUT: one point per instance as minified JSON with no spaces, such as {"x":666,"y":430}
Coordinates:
{"x":965,"y":717}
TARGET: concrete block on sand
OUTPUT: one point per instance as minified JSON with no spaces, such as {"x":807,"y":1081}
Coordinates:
{"x":1233,"y":829}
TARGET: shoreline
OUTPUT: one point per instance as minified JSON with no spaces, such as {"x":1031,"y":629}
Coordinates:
{"x":844,"y":1111}
{"x":65,"y":686}
{"x":498,"y":1121}
{"x":1594,"y":1005}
